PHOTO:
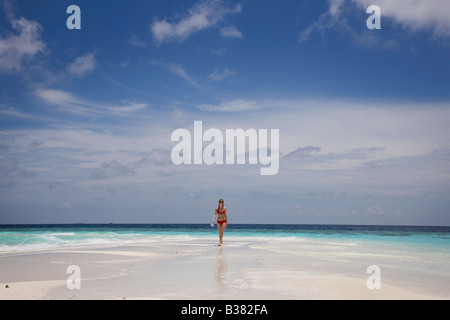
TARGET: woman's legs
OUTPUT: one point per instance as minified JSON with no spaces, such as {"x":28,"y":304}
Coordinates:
{"x":221,"y":228}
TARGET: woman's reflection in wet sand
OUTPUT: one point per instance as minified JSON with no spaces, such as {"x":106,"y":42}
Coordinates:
{"x":220,"y":273}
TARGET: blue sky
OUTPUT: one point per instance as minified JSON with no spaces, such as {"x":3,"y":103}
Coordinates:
{"x":86,"y":115}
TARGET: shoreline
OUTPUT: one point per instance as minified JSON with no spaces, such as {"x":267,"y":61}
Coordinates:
{"x":194,"y":270}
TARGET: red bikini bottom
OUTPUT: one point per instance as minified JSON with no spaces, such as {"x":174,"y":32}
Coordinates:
{"x":222,"y":222}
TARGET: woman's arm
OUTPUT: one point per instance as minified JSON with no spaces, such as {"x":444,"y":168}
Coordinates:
{"x":215,"y":213}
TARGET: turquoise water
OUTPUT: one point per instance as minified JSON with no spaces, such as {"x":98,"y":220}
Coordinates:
{"x":38,"y":237}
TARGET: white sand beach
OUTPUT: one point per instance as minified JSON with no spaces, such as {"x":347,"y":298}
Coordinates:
{"x":241,"y":269}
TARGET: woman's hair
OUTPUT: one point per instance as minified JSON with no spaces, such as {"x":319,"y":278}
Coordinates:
{"x":218,"y":205}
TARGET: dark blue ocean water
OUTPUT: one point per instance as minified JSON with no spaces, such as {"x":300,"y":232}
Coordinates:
{"x":42,"y":236}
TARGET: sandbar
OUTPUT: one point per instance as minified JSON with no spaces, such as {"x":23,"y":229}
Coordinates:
{"x":244,"y":269}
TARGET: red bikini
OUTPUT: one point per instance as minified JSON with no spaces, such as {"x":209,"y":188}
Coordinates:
{"x":224,"y":211}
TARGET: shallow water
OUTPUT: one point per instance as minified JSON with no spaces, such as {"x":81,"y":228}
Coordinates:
{"x":36,"y":237}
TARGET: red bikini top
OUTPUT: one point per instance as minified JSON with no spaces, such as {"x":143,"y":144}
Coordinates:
{"x":224,"y":210}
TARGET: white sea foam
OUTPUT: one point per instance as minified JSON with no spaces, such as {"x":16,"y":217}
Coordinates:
{"x":25,"y":247}
{"x":47,"y":241}
{"x":61,"y":234}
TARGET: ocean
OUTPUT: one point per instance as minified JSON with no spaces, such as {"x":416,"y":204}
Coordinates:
{"x":434,"y":239}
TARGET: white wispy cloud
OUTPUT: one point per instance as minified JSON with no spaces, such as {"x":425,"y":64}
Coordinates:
{"x":179,"y":71}
{"x":112,"y":169}
{"x":201,"y":16}
{"x":410,"y":15}
{"x":326,"y":20}
{"x":231,"y":32}
{"x":127,"y":107}
{"x":24,"y":44}
{"x":83,"y":65}
{"x":7,"y":111}
{"x":230,"y":106}
{"x":136,"y":42}
{"x":375,"y":210}
{"x":64,"y":100}
{"x":416,"y":15}
{"x":220,"y":75}
{"x":311,"y":155}
{"x":69,"y":103}
{"x":218,"y":51}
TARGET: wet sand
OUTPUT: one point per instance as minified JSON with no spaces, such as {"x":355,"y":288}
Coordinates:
{"x":241,"y":269}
